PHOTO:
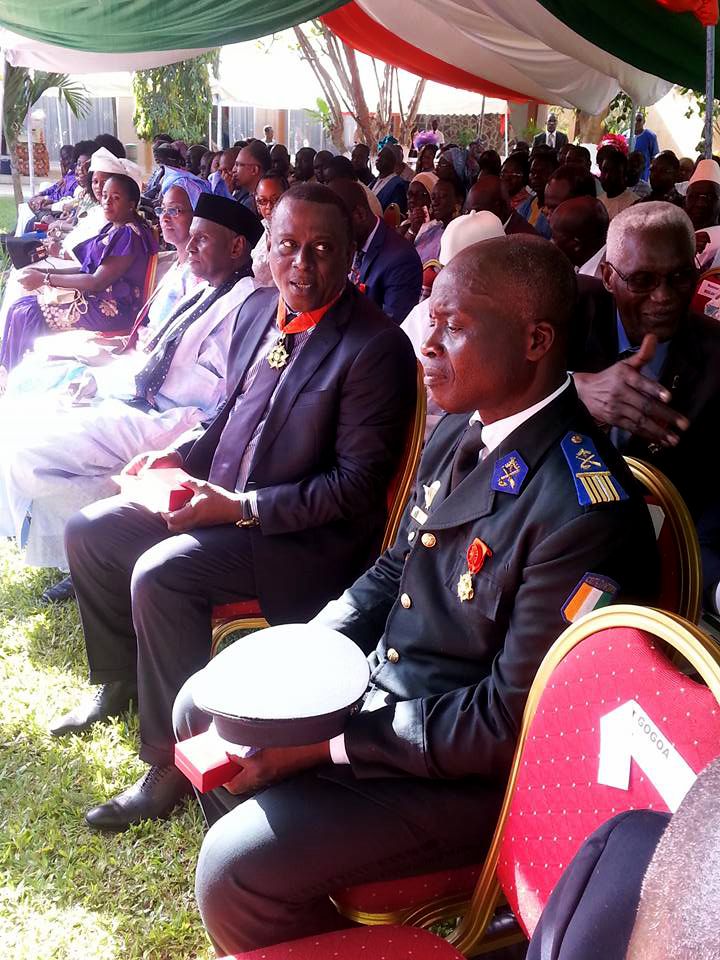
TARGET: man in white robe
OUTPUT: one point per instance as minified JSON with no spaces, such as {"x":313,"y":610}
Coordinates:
{"x":57,"y":460}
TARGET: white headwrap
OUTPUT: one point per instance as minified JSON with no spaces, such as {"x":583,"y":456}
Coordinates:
{"x":464,"y":231}
{"x":105,"y":162}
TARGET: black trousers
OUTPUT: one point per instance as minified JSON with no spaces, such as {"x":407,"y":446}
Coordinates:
{"x":145,"y":601}
{"x":269,"y":862}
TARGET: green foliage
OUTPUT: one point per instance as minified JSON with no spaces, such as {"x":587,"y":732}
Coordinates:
{"x":696,"y":109}
{"x":465,"y":136}
{"x":66,"y":892}
{"x":322,"y":115}
{"x":530,"y":132}
{"x":619,"y":117}
{"x":175,"y":99}
{"x":22,"y":91}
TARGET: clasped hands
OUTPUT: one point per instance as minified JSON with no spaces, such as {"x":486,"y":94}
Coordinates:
{"x":621,"y":396}
{"x":210,"y":505}
{"x":273,"y":764}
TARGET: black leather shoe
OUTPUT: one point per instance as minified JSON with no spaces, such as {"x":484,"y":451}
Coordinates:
{"x":153,"y":797}
{"x":59,"y":592}
{"x":109,"y":700}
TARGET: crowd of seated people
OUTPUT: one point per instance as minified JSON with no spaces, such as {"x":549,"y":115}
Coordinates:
{"x":555,"y":314}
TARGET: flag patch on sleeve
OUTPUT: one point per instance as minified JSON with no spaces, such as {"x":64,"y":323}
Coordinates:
{"x":592,"y":593}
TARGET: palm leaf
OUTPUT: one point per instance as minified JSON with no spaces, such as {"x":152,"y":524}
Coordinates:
{"x":23,"y":91}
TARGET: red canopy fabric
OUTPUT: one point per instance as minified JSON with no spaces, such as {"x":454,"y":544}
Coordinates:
{"x":706,"y":11}
{"x":361,"y":32}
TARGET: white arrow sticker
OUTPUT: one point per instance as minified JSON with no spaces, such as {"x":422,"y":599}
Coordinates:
{"x":627,"y":733}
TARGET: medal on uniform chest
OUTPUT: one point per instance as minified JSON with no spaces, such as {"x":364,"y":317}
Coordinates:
{"x":278,"y":355}
{"x":477,"y":553}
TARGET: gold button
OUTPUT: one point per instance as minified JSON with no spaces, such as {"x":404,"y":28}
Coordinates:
{"x":406,"y":601}
{"x":576,"y":438}
{"x":411,"y":536}
{"x":428,"y":540}
{"x":392,"y":655}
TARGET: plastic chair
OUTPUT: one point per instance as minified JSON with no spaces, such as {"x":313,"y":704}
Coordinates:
{"x":677,"y":540}
{"x":246,"y":615}
{"x":371,"y":943}
{"x":542,"y":824}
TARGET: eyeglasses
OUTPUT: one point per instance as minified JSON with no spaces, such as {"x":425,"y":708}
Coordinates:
{"x":266,"y":201}
{"x":645,"y":281}
{"x":172,"y":212}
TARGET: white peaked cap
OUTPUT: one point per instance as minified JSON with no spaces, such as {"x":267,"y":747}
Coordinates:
{"x":463,"y":231}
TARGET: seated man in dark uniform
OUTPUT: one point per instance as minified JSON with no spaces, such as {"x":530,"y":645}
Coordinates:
{"x":289,"y":503}
{"x":651,"y":368}
{"x":519,"y":509}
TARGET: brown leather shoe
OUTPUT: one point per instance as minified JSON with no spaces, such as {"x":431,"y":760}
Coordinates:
{"x":153,"y":797}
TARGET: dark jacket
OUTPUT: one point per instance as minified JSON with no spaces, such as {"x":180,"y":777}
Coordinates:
{"x":591,"y":913}
{"x":457,"y":673}
{"x":394,"y":191}
{"x":692,"y":375}
{"x":518,"y":224}
{"x":560,"y":139}
{"x":327,"y":451}
{"x":391,"y":272}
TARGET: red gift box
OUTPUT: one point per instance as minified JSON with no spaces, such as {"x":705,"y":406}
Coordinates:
{"x":204,"y":761}
{"x":160,"y":490}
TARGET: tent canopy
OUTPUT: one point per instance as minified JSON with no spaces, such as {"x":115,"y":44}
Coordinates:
{"x":566,"y":52}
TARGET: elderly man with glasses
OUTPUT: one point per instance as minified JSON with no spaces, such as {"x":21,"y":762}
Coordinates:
{"x":651,"y":368}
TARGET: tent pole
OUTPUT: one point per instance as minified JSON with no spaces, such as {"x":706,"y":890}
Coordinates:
{"x":507,"y":124}
{"x":31,"y":160}
{"x":709,"y":87}
{"x":218,"y":129}
{"x":482,"y":117}
{"x":633,"y":111}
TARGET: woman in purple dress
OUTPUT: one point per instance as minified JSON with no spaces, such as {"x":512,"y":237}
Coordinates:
{"x":104,"y":293}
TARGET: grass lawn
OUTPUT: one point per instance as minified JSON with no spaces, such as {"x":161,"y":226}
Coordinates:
{"x":66,"y":892}
{"x":8,"y":214}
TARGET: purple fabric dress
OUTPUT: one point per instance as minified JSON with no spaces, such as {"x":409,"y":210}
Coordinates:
{"x":112,"y":309}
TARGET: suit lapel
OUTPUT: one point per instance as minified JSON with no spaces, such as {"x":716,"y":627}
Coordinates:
{"x":244,"y":348}
{"x":322,"y":340}
{"x":373,"y":250}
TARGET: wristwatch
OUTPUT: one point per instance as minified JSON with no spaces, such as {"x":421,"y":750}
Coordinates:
{"x":248,"y":520}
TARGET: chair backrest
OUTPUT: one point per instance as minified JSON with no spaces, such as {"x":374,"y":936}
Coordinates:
{"x":401,"y":484}
{"x":392,"y":216}
{"x":677,"y":540}
{"x":150,"y":277}
{"x":606,"y":704}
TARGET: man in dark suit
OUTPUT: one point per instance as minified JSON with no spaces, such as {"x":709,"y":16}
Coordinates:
{"x":289,"y":500}
{"x":490,"y":193}
{"x":650,"y":369}
{"x":518,"y":511}
{"x":551,"y":136}
{"x":386,"y":266}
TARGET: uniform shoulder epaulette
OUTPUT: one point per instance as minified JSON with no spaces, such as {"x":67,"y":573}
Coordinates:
{"x":593,"y":481}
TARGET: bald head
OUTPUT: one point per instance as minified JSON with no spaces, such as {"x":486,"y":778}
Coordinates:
{"x":489,"y":193}
{"x":579,"y":228}
{"x":679,"y":912}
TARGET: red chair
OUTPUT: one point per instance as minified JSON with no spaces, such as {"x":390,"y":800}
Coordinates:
{"x":371,"y":943}
{"x":677,"y":540}
{"x":246,"y":615}
{"x":618,"y":659}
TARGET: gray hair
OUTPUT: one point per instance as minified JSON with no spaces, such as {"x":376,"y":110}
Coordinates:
{"x":645,"y":217}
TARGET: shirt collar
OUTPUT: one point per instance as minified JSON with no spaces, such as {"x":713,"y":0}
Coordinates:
{"x":366,"y":245}
{"x":494,"y":433}
{"x":653,"y":369}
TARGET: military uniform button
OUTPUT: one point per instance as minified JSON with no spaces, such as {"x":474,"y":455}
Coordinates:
{"x":392,"y":655}
{"x":406,"y":601}
{"x":428,"y":540}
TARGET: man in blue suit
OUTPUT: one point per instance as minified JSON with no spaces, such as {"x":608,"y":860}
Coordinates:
{"x":386,"y":266}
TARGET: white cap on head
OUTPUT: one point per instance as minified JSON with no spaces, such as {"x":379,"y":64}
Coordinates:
{"x":706,"y":170}
{"x":464,"y":231}
{"x":105,"y":162}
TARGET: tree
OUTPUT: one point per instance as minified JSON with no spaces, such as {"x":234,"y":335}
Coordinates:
{"x":335,"y":66}
{"x":696,"y":108}
{"x":175,"y":99}
{"x":22,"y":90}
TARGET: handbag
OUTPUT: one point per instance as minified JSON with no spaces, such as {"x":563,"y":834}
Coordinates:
{"x":61,"y":309}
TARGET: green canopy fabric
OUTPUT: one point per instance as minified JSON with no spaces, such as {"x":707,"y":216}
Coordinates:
{"x":129,"y":26}
{"x":642,"y":33}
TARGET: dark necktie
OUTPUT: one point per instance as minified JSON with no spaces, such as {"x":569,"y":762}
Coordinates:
{"x":152,"y":376}
{"x":243,"y":422}
{"x":467,"y":455}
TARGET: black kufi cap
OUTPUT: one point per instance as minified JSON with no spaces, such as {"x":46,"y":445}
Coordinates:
{"x":231,"y":214}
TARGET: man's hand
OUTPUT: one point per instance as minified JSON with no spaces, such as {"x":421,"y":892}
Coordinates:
{"x":276,"y":763}
{"x":622,"y":397}
{"x":211,"y":506}
{"x":154,"y":460}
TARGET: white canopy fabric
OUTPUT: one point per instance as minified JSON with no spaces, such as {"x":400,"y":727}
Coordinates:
{"x":514,"y":44}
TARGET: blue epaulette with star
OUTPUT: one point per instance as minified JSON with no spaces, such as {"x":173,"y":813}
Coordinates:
{"x":593,"y":481}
